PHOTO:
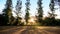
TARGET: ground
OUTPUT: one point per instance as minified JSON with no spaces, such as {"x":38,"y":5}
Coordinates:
{"x":29,"y":30}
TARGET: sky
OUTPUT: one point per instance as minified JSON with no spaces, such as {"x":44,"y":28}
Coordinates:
{"x":33,"y":6}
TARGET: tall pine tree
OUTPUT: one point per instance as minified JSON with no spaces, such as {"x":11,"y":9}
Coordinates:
{"x":8,"y":11}
{"x":52,"y":15}
{"x":40,"y":11}
{"x":27,"y":11}
{"x":18,"y":12}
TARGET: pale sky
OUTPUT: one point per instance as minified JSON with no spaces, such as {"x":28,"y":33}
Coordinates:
{"x":33,"y":6}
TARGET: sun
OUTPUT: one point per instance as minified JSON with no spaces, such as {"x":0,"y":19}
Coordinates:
{"x":31,"y":20}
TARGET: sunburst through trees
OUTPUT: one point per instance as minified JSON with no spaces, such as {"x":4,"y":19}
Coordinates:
{"x":7,"y":17}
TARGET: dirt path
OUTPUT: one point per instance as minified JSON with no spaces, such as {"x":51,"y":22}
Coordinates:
{"x":32,"y":30}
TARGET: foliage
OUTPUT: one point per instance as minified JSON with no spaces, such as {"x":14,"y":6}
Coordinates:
{"x":8,"y":11}
{"x":27,"y":11}
{"x":52,"y":4}
{"x":18,"y":12}
{"x":51,"y":22}
{"x":40,"y":11}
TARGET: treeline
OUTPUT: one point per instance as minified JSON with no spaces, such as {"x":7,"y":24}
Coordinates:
{"x":7,"y":17}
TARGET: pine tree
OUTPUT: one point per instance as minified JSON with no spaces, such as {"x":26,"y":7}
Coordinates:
{"x":8,"y":11}
{"x":18,"y":12}
{"x":52,"y":15}
{"x":27,"y":11}
{"x":40,"y":11}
